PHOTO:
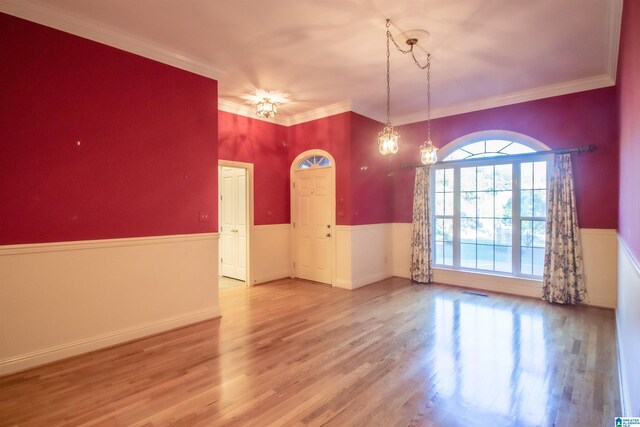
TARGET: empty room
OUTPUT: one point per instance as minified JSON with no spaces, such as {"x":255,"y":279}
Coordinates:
{"x":310,"y":212}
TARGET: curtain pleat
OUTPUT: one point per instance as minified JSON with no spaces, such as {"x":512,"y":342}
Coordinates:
{"x":563,"y":279}
{"x":421,"y":230}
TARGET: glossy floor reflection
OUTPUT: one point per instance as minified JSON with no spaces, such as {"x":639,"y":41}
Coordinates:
{"x":389,"y":354}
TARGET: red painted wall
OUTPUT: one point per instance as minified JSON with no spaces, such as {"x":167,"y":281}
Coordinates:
{"x":264,"y":144}
{"x":628,"y":85}
{"x":370,"y":181}
{"x":560,"y":122}
{"x":146,"y":164}
{"x":333,"y":135}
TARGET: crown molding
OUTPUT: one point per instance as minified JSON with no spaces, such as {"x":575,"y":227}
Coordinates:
{"x":249,"y":111}
{"x":613,"y":43}
{"x":88,"y":29}
{"x":319,"y":113}
{"x":549,"y":91}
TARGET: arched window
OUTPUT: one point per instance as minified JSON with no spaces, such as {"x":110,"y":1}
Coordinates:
{"x":489,"y":211}
{"x":314,"y":162}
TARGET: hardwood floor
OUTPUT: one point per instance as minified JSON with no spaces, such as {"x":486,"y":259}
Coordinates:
{"x":296,"y":353}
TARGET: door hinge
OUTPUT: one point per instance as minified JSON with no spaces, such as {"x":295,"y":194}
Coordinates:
{"x":220,"y":259}
{"x":294,"y":224}
{"x":294,"y":185}
{"x":221,"y":229}
{"x":294,"y":265}
{"x":221,"y":197}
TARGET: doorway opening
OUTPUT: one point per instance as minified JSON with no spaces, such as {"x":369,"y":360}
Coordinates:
{"x":234,"y":223}
{"x":313,"y":217}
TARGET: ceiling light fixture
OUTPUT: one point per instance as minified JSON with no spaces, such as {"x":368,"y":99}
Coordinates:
{"x":388,"y":138}
{"x":266,"y":108}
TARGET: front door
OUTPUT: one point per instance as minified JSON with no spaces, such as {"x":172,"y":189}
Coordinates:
{"x":233,"y":222}
{"x":312,"y":224}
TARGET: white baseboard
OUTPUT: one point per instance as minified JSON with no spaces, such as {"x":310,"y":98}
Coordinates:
{"x":41,"y":357}
{"x":271,"y":276}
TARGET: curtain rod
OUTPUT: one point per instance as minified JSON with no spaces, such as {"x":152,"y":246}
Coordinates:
{"x":584,"y":149}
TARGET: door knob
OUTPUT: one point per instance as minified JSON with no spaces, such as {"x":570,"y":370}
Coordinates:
{"x":328,"y":234}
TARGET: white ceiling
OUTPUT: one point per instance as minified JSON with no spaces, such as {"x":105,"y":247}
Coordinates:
{"x":329,"y":55}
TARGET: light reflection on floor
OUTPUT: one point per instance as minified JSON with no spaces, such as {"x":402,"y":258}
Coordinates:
{"x":491,"y":358}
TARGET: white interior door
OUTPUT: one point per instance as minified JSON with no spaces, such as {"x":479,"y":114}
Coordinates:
{"x":233,"y":222}
{"x":312,"y":222}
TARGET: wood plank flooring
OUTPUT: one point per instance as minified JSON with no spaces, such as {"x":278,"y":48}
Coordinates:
{"x":295,"y":353}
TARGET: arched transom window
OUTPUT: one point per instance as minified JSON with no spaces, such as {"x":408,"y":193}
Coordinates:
{"x":314,"y":162}
{"x":488,"y":148}
{"x":489,"y":210}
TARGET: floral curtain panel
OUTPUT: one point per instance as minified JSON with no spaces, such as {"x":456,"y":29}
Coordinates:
{"x":421,"y":232}
{"x":563,"y":279}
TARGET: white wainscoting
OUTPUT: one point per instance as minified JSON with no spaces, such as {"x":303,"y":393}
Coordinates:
{"x":600,"y":260}
{"x":363,"y":254}
{"x":270,"y":252}
{"x":628,"y":330}
{"x":62,"y":299}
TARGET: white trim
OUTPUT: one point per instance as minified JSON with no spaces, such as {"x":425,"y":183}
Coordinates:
{"x":77,"y":245}
{"x":489,"y":282}
{"x":48,"y":355}
{"x":558,"y":89}
{"x":613,"y":45}
{"x":62,"y":20}
{"x":249,"y":111}
{"x":320,"y":113}
{"x":249,"y":203}
{"x":623,"y":372}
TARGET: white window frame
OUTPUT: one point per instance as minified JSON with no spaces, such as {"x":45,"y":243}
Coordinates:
{"x":516,"y":219}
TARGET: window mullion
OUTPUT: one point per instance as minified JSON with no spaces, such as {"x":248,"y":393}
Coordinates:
{"x":456,"y":217}
{"x":515,"y":222}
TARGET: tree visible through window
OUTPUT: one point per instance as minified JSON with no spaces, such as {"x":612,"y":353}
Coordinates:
{"x":490,"y":212}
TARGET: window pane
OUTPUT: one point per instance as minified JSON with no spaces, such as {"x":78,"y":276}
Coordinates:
{"x":526,"y":233}
{"x":538,"y":233}
{"x":439,"y":229}
{"x":504,"y":204}
{"x":503,"y":232}
{"x":525,"y":260}
{"x":438,"y":253}
{"x":494,"y":146}
{"x":439,"y":203}
{"x":468,"y":255}
{"x":503,"y":177}
{"x":485,"y":257}
{"x":457,"y":155}
{"x":517,"y":148}
{"x":526,"y":176}
{"x":485,"y":204}
{"x":468,"y":230}
{"x":485,"y":178}
{"x":503,"y":258}
{"x":540,"y":203}
{"x":467,"y":179}
{"x":538,"y":261}
{"x":485,"y":230}
{"x":468,"y":204}
{"x":448,"y":177}
{"x":540,"y":175}
{"x":475,"y":148}
{"x":448,"y":230}
{"x":526,"y":203}
{"x":448,"y":253}
{"x":448,"y":203}
{"x":439,"y":184}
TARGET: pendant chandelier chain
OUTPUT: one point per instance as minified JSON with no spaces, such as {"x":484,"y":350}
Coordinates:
{"x":388,"y":76}
{"x":428,"y":97}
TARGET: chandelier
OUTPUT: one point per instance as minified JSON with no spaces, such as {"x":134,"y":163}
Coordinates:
{"x":266,"y":108}
{"x":388,"y":138}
